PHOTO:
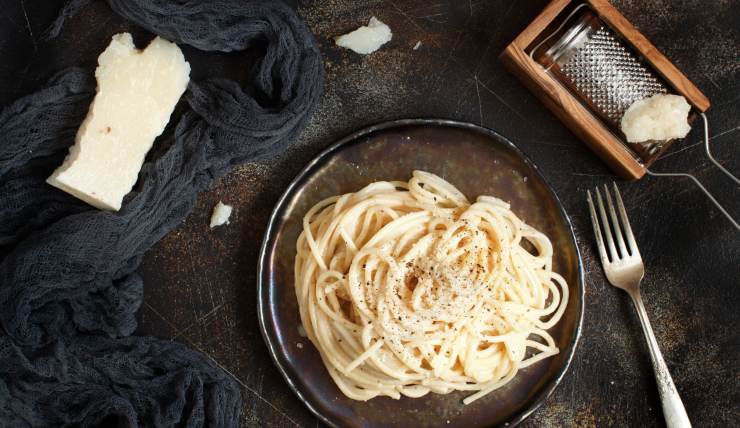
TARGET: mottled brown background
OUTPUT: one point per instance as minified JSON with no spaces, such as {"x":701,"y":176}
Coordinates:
{"x":201,"y":283}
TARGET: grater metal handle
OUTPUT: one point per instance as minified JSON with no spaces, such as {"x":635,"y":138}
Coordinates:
{"x":696,"y":180}
{"x":709,"y":154}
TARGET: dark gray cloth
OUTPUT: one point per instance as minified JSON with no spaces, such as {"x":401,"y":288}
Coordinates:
{"x":69,"y":289}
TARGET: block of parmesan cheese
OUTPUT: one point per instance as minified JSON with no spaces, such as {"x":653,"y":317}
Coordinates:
{"x":136,"y":94}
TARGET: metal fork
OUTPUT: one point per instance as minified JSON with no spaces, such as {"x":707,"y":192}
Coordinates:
{"x":624,"y":269}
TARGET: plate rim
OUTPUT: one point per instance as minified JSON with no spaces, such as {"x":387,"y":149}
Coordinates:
{"x":262,"y":270}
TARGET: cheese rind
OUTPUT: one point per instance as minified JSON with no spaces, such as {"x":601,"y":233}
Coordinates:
{"x":137,"y":92}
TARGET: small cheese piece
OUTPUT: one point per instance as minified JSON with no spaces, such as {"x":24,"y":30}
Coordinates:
{"x":137,"y":92}
{"x":366,"y":39}
{"x":221,"y":214}
{"x":661,"y":117}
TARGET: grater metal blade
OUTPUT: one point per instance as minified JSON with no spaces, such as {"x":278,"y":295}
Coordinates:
{"x":610,"y":75}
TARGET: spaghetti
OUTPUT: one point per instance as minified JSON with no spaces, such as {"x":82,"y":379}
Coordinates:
{"x":407,"y":288}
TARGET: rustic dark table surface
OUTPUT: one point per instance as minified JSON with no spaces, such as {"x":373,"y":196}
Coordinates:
{"x":201,"y":285}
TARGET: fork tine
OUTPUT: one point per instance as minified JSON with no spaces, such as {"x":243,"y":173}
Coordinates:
{"x":597,"y":229}
{"x":607,"y":229}
{"x":626,"y":223}
{"x":615,"y":223}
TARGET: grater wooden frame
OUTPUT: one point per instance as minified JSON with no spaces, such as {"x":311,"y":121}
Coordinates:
{"x":577,"y":117}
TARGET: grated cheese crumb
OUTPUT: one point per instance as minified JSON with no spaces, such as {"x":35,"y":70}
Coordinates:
{"x":221,"y":214}
{"x":366,"y":39}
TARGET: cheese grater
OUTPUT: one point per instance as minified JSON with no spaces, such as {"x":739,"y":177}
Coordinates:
{"x":588,"y":64}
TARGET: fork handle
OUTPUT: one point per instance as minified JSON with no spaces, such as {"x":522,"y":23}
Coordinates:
{"x":673,"y":409}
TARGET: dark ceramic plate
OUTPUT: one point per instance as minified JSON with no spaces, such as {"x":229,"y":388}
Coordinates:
{"x":479,"y":162}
